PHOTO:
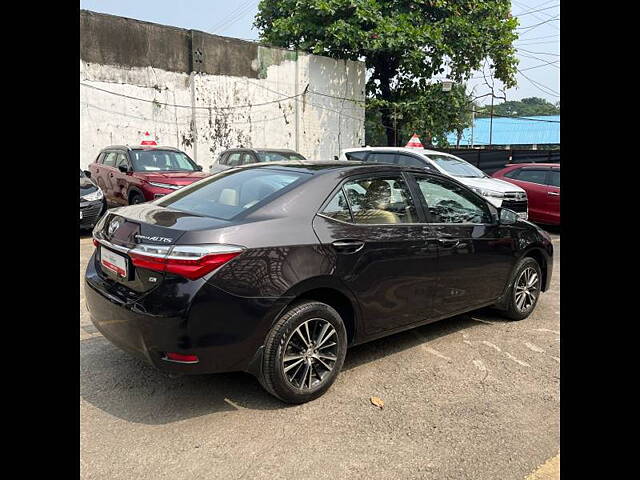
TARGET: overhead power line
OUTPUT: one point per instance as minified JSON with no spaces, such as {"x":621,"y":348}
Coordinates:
{"x":213,"y":107}
{"x":531,"y":27}
{"x":534,"y":11}
{"x":239,"y":16}
{"x":540,"y":86}
{"x":539,"y":53}
{"x":232,"y":15}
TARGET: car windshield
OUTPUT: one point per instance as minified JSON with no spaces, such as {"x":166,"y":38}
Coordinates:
{"x":265,"y":156}
{"x":161,"y":161}
{"x":232,"y":192}
{"x":457,"y":167}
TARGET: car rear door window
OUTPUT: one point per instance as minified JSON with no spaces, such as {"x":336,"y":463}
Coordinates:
{"x":513,"y":173}
{"x":537,"y":175}
{"x":381,"y":157}
{"x":357,"y":156}
{"x":449,"y":202}
{"x":338,"y":208}
{"x":381,"y":200}
{"x":410,"y":161}
{"x":233,"y":160}
{"x":554,"y":177}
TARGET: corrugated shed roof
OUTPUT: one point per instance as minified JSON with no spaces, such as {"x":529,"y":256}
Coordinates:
{"x":512,"y":131}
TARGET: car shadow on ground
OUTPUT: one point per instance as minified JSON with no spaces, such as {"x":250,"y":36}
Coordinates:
{"x":127,"y":388}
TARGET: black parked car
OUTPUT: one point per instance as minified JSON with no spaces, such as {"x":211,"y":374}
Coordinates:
{"x":277,"y":268}
{"x":92,"y":201}
{"x":237,"y":157}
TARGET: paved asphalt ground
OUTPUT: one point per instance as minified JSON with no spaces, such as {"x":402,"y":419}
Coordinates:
{"x":473,"y":397}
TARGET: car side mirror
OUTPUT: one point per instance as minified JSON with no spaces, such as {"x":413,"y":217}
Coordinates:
{"x":123,"y":168}
{"x":335,"y":157}
{"x":507,"y":217}
{"x":198,"y":168}
{"x":87,"y":173}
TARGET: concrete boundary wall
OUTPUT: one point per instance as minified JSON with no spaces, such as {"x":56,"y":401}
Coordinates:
{"x":204,"y":93}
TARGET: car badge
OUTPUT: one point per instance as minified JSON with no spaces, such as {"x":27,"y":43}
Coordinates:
{"x":113,"y":226}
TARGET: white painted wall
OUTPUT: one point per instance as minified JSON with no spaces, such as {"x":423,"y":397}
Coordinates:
{"x":324,"y":125}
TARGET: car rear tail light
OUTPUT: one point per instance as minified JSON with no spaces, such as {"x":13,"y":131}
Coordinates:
{"x":190,"y":261}
{"x":179,"y":357}
{"x":96,"y":243}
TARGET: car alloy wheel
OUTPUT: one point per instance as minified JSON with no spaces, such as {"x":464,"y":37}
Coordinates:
{"x":526,"y":289}
{"x":310,"y":353}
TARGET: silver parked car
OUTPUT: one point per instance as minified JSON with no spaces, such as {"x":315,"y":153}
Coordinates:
{"x":235,"y":157}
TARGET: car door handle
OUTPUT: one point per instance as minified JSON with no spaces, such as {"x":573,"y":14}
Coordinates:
{"x":553,"y":193}
{"x":348,"y":246}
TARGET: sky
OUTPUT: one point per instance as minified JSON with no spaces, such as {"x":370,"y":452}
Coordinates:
{"x":538,"y":45}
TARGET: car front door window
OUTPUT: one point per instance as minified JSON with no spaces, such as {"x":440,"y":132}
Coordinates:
{"x":448,"y":202}
{"x":554,"y":178}
{"x":110,"y":159}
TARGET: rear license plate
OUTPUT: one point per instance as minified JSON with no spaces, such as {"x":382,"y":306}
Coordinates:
{"x":113,"y":262}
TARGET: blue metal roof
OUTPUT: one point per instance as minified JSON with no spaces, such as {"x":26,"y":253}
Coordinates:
{"x":538,"y":130}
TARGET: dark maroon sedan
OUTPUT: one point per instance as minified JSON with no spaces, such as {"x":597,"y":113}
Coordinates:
{"x":135,"y":174}
{"x":276,"y":268}
{"x":541,"y":181}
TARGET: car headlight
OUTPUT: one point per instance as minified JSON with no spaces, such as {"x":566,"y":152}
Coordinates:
{"x":488,"y":193}
{"x":91,"y":197}
{"x":165,"y":185}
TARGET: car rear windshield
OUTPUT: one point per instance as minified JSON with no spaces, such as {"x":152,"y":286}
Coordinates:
{"x":230,"y":193}
{"x":278,"y":156}
{"x":456,"y":166}
{"x":161,"y":161}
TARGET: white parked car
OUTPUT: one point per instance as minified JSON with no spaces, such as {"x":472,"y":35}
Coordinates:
{"x":498,"y":192}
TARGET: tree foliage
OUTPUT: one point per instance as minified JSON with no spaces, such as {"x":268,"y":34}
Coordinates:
{"x":526,"y":107}
{"x":404,"y":43}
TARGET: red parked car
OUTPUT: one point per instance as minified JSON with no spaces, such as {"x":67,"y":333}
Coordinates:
{"x":134,"y":174}
{"x":541,"y":181}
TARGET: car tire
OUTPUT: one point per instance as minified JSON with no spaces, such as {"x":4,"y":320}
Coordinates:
{"x":135,"y":198}
{"x":524,"y":290}
{"x":292,"y":369}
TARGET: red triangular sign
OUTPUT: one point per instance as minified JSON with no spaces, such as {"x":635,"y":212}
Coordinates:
{"x":414,"y":142}
{"x":148,"y":140}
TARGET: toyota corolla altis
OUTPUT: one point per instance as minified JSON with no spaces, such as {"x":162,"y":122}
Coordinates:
{"x":275,"y":269}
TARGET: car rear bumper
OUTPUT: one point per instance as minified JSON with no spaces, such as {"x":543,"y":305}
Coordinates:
{"x":225,"y":331}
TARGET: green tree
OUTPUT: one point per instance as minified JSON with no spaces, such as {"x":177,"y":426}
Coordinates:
{"x":526,"y":107}
{"x":404,"y":43}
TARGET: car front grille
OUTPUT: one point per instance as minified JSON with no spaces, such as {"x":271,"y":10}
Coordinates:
{"x":516,"y":205}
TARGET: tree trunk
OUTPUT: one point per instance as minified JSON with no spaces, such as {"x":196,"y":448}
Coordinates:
{"x":387,"y":117}
{"x":387,"y":123}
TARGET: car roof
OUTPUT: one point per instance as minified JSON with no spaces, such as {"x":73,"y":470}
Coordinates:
{"x":318,"y":167}
{"x":257,"y":149}
{"x":422,"y":151}
{"x":532,"y":164}
{"x":141,"y":147}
